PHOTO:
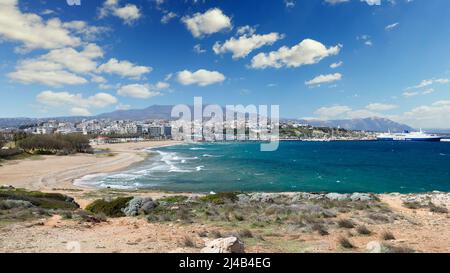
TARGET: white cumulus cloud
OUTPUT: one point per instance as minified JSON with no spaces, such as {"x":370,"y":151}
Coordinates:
{"x":210,"y":22}
{"x":306,"y":52}
{"x":129,"y":13}
{"x":325,"y":79}
{"x":140,"y":91}
{"x":124,"y":69}
{"x":79,"y":105}
{"x":58,"y":67}
{"x":245,"y":44}
{"x":200,"y":77}
{"x":380,"y":107}
{"x":31,"y":30}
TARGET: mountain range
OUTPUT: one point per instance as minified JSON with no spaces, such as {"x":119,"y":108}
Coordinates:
{"x":164,"y":112}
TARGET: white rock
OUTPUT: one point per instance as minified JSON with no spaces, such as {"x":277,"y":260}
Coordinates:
{"x":374,"y":247}
{"x":224,"y":245}
{"x":337,"y":196}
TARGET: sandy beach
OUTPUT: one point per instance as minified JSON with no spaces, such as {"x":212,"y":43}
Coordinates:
{"x":59,"y":172}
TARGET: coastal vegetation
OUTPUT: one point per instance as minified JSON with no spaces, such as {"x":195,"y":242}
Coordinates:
{"x":113,"y":208}
{"x":21,"y":145}
{"x":294,"y":222}
{"x":21,"y":205}
{"x":55,"y":144}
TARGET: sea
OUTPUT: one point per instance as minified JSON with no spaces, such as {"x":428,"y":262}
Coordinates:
{"x":344,"y":167}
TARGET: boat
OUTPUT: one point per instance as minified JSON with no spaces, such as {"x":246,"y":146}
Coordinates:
{"x":409,"y":136}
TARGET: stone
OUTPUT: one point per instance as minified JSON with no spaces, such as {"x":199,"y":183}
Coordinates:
{"x":139,"y":204}
{"x":361,"y":197}
{"x":243,"y":199}
{"x":329,"y":213}
{"x":337,"y":196}
{"x":374,"y":247}
{"x":224,"y":245}
{"x":148,"y":206}
{"x":307,"y":196}
{"x":264,"y":197}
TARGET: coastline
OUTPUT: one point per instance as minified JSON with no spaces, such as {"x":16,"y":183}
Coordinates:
{"x":47,"y":173}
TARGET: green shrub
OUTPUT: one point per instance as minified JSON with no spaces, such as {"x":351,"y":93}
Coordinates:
{"x":55,"y":144}
{"x":173,"y":199}
{"x":40,"y":199}
{"x":220,"y":198}
{"x":110,"y":209}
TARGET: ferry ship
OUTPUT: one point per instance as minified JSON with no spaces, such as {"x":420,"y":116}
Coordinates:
{"x":409,"y":136}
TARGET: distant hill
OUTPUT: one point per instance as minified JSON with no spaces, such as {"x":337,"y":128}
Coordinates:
{"x":151,"y":112}
{"x":363,"y":124}
{"x":164,"y":112}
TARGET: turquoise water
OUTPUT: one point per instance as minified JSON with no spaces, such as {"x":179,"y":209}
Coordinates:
{"x":297,"y":166}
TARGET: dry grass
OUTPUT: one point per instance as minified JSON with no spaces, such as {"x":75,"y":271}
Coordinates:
{"x":188,"y":242}
{"x":345,"y":243}
{"x":363,"y":230}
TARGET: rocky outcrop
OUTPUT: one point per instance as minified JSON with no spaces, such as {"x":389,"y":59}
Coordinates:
{"x":333,"y":196}
{"x":224,"y":245}
{"x":437,"y":198}
{"x":138,"y":205}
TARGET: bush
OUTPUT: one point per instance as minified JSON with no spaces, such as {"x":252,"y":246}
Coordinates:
{"x":345,"y":243}
{"x":173,"y":199}
{"x":437,"y":209}
{"x":9,"y":152}
{"x":363,"y":230}
{"x":387,"y":236}
{"x":40,"y":199}
{"x":320,"y":229}
{"x":216,"y":234}
{"x":55,"y":144}
{"x":412,"y":205}
{"x":245,"y":233}
{"x":188,"y":242}
{"x":379,"y":217}
{"x":346,"y":223}
{"x":220,"y":198}
{"x":89,"y":217}
{"x":398,"y":249}
{"x":113,"y":208}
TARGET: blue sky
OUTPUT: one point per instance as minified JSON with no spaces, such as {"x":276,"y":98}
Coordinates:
{"x":322,"y":59}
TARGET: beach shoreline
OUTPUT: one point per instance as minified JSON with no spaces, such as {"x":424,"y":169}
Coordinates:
{"x":50,"y":172}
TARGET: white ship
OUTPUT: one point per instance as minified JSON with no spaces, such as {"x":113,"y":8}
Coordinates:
{"x":408,"y":136}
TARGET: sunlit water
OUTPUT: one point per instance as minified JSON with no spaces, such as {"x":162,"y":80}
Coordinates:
{"x":296,"y":166}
